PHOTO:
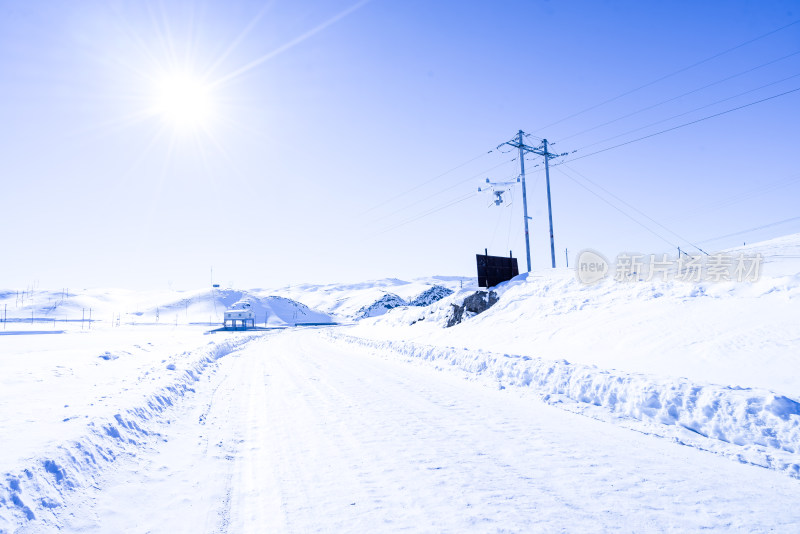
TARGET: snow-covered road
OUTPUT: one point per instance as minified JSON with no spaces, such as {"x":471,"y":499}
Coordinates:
{"x":295,"y":433}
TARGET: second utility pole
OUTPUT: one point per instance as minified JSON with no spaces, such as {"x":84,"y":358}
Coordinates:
{"x":525,"y":201}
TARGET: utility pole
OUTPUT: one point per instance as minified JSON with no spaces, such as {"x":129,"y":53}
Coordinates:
{"x":549,"y":208}
{"x":547,"y":155}
{"x":524,"y":198}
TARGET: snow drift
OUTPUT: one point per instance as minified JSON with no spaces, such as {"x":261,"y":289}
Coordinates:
{"x":763,"y":424}
{"x":44,"y":483}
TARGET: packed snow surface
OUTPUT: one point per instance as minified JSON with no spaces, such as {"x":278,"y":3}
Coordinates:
{"x":642,"y":406}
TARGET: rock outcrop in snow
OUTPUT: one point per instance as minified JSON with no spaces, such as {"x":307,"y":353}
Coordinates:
{"x":390,"y":301}
{"x":382,"y":305}
{"x":428,"y":297}
{"x":472,"y":305}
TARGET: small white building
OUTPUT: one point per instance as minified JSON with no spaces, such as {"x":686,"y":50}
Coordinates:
{"x":240,"y":318}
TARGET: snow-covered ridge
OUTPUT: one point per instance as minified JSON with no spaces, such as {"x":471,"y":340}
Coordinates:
{"x":390,"y":301}
{"x":41,"y":485}
{"x":374,"y":298}
{"x":763,"y":426}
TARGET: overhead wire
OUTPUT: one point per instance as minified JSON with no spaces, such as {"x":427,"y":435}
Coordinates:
{"x":448,"y":204}
{"x":425,"y":214}
{"x":496,"y":227}
{"x":418,"y":186}
{"x":637,"y":210}
{"x":672,"y":99}
{"x":737,"y":108}
{"x":670,"y":75}
{"x":751,"y":230}
{"x":626,"y":214}
{"x":687,"y":112}
{"x":760,"y":190}
{"x":510,"y":218}
{"x":412,"y":204}
{"x":508,"y":205}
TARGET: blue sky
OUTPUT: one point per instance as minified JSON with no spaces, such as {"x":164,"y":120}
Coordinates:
{"x":328,"y":127}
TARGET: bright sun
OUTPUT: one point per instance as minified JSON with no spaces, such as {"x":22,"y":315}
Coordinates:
{"x":184,"y":101}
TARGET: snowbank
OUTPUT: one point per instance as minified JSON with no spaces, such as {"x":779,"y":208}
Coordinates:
{"x":762,"y":425}
{"x":39,"y":486}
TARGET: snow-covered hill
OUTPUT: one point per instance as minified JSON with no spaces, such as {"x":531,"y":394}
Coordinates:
{"x":108,"y":307}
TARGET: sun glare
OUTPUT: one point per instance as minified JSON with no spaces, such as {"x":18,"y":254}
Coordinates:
{"x":184,"y":101}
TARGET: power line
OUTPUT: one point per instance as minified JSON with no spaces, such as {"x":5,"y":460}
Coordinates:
{"x":751,"y":230}
{"x":637,"y":210}
{"x":425,"y":214}
{"x":762,"y":189}
{"x":688,"y":112}
{"x":626,"y":214}
{"x":478,"y":175}
{"x":683,"y":95}
{"x":679,"y":71}
{"x":426,"y":182}
{"x":438,"y":208}
{"x":496,"y":227}
{"x":687,"y":123}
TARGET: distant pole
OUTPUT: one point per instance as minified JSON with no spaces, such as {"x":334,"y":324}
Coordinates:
{"x":566,"y":256}
{"x":524,"y":199}
{"x":549,"y":208}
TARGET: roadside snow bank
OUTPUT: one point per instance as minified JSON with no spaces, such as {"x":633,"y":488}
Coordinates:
{"x":764,"y":426}
{"x":38,"y":489}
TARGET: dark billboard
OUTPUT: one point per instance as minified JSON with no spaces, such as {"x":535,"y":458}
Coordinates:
{"x":493,"y":270}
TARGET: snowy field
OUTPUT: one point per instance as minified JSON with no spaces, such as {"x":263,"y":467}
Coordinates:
{"x":642,"y":407}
